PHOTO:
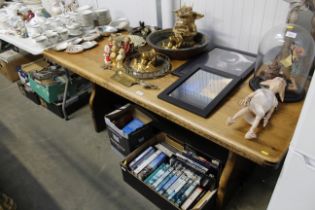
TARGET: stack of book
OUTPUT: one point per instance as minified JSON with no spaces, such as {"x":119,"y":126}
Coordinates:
{"x":183,"y":178}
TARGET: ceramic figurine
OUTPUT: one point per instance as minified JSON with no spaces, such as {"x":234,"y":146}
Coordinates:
{"x":110,"y":51}
{"x":184,"y":30}
{"x":260,"y":105}
{"x":120,"y":58}
{"x":107,"y":50}
{"x":127,"y":45}
{"x":113,"y":53}
{"x":27,"y":16}
{"x":70,"y":5}
{"x":141,"y":30}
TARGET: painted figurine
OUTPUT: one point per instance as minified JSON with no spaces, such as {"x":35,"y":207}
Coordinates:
{"x":127,"y":45}
{"x":260,"y":105}
{"x":120,"y":58}
{"x":107,"y":51}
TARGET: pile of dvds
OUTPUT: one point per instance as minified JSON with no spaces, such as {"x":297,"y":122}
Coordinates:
{"x":183,"y":178}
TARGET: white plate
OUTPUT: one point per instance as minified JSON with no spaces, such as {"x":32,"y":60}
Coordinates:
{"x":109,"y":29}
{"x":76,"y":34}
{"x":61,"y":46}
{"x":88,"y":45}
{"x":72,"y":49}
{"x":91,"y":37}
{"x":77,"y":41}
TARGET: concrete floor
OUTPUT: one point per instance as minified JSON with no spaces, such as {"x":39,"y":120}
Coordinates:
{"x":51,"y":164}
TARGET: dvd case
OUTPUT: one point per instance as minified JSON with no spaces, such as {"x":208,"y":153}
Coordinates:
{"x":138,"y":160}
{"x":161,"y":158}
{"x":156,"y":174}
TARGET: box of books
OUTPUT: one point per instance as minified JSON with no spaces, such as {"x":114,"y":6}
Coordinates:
{"x":128,"y":127}
{"x":171,"y":176}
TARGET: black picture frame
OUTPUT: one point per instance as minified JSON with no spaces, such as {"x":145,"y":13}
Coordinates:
{"x":203,"y":59}
{"x":213,"y":103}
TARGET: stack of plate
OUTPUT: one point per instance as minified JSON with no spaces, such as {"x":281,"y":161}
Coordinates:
{"x":103,"y":16}
{"x":87,"y":18}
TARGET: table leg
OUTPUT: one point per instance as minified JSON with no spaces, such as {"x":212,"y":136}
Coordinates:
{"x":96,"y":107}
{"x":102,"y":102}
{"x":235,"y":169}
{"x":64,"y":101}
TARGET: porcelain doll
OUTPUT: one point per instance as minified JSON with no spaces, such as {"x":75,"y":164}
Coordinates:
{"x":107,"y":51}
{"x":127,"y":45}
{"x":260,"y":105}
{"x":120,"y":58}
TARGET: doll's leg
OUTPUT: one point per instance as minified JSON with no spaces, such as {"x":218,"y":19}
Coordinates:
{"x":251,"y":133}
{"x":240,"y":113}
{"x":267,"y":117}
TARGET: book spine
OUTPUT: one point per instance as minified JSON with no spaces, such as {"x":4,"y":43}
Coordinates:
{"x":160,"y":179}
{"x":181,"y":192}
{"x":146,"y":162}
{"x":202,"y":161}
{"x":213,"y":166}
{"x":180,"y":182}
{"x":189,"y":190}
{"x":167,"y":178}
{"x":191,"y":198}
{"x":192,"y":163}
{"x":171,"y":181}
{"x":140,"y":158}
{"x":156,"y":173}
{"x":205,"y":199}
{"x":152,"y":166}
{"x":197,"y":199}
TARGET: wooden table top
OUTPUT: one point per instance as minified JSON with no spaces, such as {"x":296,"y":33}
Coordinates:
{"x":268,"y":149}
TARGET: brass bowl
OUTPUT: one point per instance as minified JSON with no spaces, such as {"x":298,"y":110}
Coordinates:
{"x":156,"y":39}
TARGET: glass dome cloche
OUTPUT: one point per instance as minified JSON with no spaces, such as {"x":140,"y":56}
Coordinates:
{"x":286,"y":51}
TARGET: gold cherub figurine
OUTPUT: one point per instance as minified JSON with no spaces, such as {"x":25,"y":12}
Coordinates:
{"x":146,"y":62}
{"x":184,"y":30}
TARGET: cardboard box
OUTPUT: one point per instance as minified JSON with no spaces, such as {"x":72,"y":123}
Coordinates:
{"x":126,"y":143}
{"x":25,"y":69}
{"x":10,"y":61}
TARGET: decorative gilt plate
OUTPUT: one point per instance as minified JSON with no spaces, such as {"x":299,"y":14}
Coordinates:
{"x":162,"y":67}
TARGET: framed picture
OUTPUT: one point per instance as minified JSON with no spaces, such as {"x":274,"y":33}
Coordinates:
{"x":224,"y":59}
{"x":200,"y":90}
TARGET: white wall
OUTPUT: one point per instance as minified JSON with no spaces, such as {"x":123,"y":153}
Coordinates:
{"x":134,"y":10}
{"x":240,"y":23}
{"x":236,"y":23}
